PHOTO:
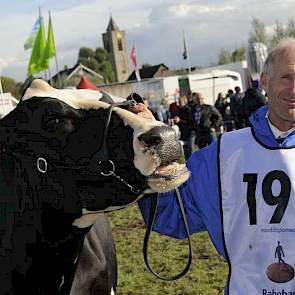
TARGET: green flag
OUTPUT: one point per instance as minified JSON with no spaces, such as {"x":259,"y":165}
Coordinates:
{"x":35,"y":64}
{"x":49,"y":50}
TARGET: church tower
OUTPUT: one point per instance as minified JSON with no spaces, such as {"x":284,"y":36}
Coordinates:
{"x":115,"y":43}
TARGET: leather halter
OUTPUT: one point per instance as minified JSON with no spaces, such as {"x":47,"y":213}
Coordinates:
{"x":100,"y":163}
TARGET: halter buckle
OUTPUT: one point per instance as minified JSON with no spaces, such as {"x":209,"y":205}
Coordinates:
{"x":107,"y":168}
{"x":42,"y":165}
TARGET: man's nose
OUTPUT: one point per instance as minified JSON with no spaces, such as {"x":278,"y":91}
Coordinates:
{"x":293,"y":87}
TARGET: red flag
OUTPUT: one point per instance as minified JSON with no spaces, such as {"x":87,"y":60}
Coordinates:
{"x":133,"y":57}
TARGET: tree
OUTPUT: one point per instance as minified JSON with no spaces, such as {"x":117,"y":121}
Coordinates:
{"x":290,"y":31}
{"x":108,"y":74}
{"x":259,"y":33}
{"x":97,"y":60}
{"x":91,"y":63}
{"x":279,"y":34}
{"x":86,"y":52}
{"x":10,"y":85}
{"x":224,"y":57}
{"x":101,"y":55}
{"x":238,"y":54}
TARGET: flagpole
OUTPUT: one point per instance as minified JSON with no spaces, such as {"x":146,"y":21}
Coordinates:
{"x":44,"y":72}
{"x":137,"y":71}
{"x":2,"y":97}
{"x":187,"y":53}
{"x":56,"y":63}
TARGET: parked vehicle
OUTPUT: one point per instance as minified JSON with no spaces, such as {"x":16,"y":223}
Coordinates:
{"x":209,"y":83}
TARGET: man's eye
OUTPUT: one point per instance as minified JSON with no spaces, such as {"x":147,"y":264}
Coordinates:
{"x":286,"y":78}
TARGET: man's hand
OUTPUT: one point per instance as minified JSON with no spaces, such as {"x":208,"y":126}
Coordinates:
{"x":141,"y":110}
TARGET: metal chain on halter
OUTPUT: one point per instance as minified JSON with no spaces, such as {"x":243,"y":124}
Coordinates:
{"x":152,"y":217}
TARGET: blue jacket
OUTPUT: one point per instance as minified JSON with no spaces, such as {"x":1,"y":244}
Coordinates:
{"x":200,"y":193}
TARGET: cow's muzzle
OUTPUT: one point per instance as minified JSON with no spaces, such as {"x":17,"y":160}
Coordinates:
{"x":167,"y":151}
{"x":163,"y":140}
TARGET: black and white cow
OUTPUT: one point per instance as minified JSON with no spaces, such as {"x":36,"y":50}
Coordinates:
{"x":70,"y":157}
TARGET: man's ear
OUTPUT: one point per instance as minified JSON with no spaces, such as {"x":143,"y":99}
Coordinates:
{"x":264,"y":81}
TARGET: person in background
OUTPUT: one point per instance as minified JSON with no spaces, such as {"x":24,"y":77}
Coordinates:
{"x":221,"y":103}
{"x":230,"y":92}
{"x":184,"y":122}
{"x":206,"y":121}
{"x":235,"y":105}
{"x":228,"y":120}
{"x":252,"y":100}
{"x":174,"y":107}
{"x":163,"y":113}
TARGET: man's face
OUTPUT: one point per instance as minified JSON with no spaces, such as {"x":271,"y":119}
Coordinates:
{"x":280,"y":88}
{"x":200,"y":99}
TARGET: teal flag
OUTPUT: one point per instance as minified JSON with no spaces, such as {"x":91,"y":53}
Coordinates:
{"x":31,"y":39}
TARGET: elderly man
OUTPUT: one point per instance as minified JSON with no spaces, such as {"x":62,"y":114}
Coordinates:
{"x":241,"y":189}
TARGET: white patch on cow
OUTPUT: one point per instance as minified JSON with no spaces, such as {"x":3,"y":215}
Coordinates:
{"x":40,"y":88}
{"x":112,"y":292}
{"x":144,"y":160}
{"x":76,"y":98}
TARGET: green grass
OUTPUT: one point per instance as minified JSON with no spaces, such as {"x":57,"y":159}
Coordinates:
{"x":168,"y":256}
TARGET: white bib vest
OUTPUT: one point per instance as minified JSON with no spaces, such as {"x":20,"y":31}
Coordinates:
{"x":258,"y":210}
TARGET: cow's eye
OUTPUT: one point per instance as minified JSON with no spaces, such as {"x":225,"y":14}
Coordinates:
{"x":52,"y":123}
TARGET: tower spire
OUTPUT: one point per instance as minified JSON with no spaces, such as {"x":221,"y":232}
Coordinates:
{"x":112,"y":25}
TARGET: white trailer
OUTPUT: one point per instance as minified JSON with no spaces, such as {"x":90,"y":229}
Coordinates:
{"x":155,"y":89}
{"x":209,"y":83}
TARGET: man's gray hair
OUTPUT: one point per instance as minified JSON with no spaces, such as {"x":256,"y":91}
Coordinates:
{"x":274,"y":53}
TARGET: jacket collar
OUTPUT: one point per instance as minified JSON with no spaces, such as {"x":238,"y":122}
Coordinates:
{"x":263,"y":133}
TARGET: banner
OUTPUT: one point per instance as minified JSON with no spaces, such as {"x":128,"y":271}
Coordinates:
{"x":256,"y":56}
{"x":49,"y":50}
{"x":31,"y":39}
{"x":35,"y":64}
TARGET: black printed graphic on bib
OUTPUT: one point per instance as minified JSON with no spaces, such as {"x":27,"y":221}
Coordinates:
{"x":280,"y":272}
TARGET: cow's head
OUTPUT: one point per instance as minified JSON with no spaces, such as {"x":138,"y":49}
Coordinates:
{"x":67,"y":128}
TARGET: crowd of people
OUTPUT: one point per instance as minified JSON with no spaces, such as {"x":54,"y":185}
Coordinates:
{"x":198,"y":124}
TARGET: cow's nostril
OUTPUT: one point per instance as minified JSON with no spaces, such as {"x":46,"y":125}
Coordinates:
{"x":150,"y":138}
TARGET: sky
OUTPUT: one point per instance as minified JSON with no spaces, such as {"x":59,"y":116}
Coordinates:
{"x":155,"y":26}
